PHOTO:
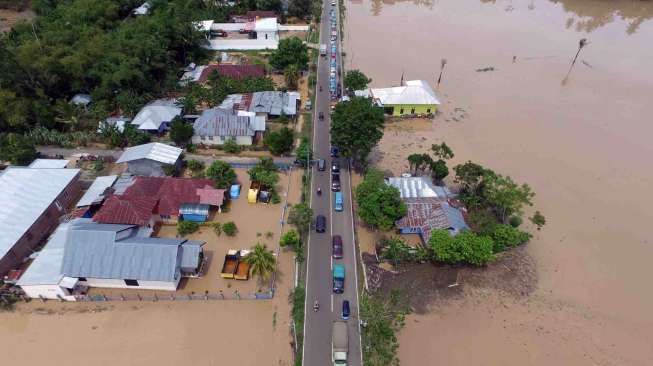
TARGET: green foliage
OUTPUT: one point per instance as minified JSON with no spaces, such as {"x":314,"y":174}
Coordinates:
{"x":481,"y":221}
{"x":304,"y":151}
{"x":220,"y":86}
{"x":98,"y":166}
{"x":279,"y":142}
{"x":299,"y":8}
{"x":292,"y":239}
{"x":230,"y":146}
{"x":439,"y":170}
{"x":507,"y":197}
{"x":383,"y":316}
{"x":44,"y":136}
{"x":538,"y":220}
{"x":506,"y":236}
{"x":442,"y":151}
{"x":261,"y":261}
{"x":221,"y":173}
{"x":396,"y":250}
{"x":264,"y":172}
{"x":133,"y":136}
{"x":515,"y":221}
{"x":466,"y":247}
{"x":291,"y":51}
{"x":186,"y":227}
{"x":181,"y":132}
{"x":217,"y":228}
{"x":229,"y":228}
{"x":298,"y":305}
{"x":419,"y":162}
{"x":17,"y":149}
{"x":471,"y":175}
{"x":169,"y":169}
{"x":301,"y":215}
{"x":195,"y":165}
{"x":379,"y":204}
{"x":274,"y":197}
{"x":356,"y":80}
{"x":291,"y":76}
{"x":356,"y":127}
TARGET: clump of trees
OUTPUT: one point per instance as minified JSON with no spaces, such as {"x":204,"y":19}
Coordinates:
{"x":221,"y":173}
{"x":356,"y":80}
{"x":181,"y":132}
{"x":356,"y":127}
{"x":382,"y":316}
{"x":379,"y":205}
{"x":17,"y":149}
{"x":216,"y":89}
{"x":301,"y":215}
{"x":291,"y":239}
{"x":420,"y":163}
{"x":279,"y":142}
{"x":264,"y":172}
{"x":291,"y":51}
{"x":186,"y":227}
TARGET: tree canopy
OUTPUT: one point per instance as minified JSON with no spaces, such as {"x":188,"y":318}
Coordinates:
{"x":301,"y":215}
{"x":379,"y":204}
{"x":17,"y":149}
{"x":264,"y":172}
{"x":221,"y":173}
{"x":279,"y":142}
{"x":466,"y":247}
{"x":291,"y":51}
{"x":356,"y":127}
{"x":356,"y":80}
{"x":181,"y":132}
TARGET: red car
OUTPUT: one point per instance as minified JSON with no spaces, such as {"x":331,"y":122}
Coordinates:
{"x":337,"y":246}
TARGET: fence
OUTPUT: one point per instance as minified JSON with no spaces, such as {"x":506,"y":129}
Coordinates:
{"x":178,"y":297}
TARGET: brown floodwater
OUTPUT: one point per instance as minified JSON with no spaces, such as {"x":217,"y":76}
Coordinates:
{"x":581,"y":139}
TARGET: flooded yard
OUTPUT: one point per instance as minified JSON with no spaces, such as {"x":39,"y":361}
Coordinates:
{"x":580,"y":138}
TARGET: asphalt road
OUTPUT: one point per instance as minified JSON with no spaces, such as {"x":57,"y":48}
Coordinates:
{"x":317,"y":326}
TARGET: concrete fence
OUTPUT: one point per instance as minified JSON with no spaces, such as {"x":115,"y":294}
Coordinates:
{"x":178,"y":297}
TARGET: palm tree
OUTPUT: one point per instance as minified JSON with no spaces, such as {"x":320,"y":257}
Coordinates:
{"x":443,"y":63}
{"x":582,"y":43}
{"x":261,"y":261}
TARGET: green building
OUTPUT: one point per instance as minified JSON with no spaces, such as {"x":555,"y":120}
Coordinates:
{"x":415,"y":98}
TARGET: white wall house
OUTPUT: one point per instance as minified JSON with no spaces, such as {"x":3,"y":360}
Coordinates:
{"x":215,"y":126}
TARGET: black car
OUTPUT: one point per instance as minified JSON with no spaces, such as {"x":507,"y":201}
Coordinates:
{"x":334,"y":152}
{"x":335,"y":182}
{"x":345,"y":310}
{"x":336,"y":246}
{"x":320,"y":224}
{"x":321,"y":165}
{"x":335,"y":166}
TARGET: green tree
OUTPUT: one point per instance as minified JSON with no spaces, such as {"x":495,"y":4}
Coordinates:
{"x":221,"y":173}
{"x":291,"y":239}
{"x":507,"y":197}
{"x":301,"y":215}
{"x":17,"y":149}
{"x":291,"y":51}
{"x":186,"y":227}
{"x":132,"y":136}
{"x":439,"y":170}
{"x":230,"y":228}
{"x":217,"y":228}
{"x":538,"y":220}
{"x":383,"y":316}
{"x":299,"y":8}
{"x":442,"y":151}
{"x":356,"y":80}
{"x":264,"y":172}
{"x":356,"y":127}
{"x":195,"y":165}
{"x":261,"y":261}
{"x":466,"y":247}
{"x":395,"y":250}
{"x":506,"y":236}
{"x":279,"y":142}
{"x":379,"y":204}
{"x":414,"y":161}
{"x":304,"y":152}
{"x":181,"y":132}
{"x":230,"y":146}
{"x":291,"y":76}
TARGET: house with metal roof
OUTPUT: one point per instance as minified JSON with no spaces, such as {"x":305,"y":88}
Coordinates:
{"x":426,"y":214}
{"x":216,"y":126}
{"x":97,"y":192}
{"x":31,"y":201}
{"x":200,"y":74}
{"x":415,"y":98}
{"x":148,"y":159}
{"x":49,"y":163}
{"x":418,"y":187}
{"x":156,"y":116}
{"x":270,"y":104}
{"x":82,"y":254}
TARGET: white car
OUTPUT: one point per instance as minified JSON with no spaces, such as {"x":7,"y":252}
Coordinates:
{"x":333,"y":2}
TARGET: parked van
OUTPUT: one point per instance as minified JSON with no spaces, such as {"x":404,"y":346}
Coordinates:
{"x":338,"y":201}
{"x":335,"y":182}
{"x":320,"y":224}
{"x":321,"y":165}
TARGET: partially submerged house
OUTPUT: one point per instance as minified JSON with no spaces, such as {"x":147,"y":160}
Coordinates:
{"x":32,"y":200}
{"x":82,"y":254}
{"x":156,"y":116}
{"x":271,"y":104}
{"x":416,"y":98}
{"x":200,"y":74}
{"x":148,"y":200}
{"x":216,"y":126}
{"x":418,"y":187}
{"x":148,"y":159}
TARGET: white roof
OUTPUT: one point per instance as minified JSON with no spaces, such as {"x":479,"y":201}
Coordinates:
{"x":204,"y":25}
{"x":414,"y":92}
{"x":155,"y":113}
{"x":417,"y":187}
{"x":46,"y":268}
{"x":143,"y":9}
{"x":25,"y":193}
{"x":81,"y":99}
{"x":49,"y":163}
{"x":154,"y":151}
{"x":192,"y":75}
{"x":95,"y":192}
{"x":266,"y":25}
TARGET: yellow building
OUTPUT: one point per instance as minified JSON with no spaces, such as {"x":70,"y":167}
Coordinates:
{"x":415,"y":98}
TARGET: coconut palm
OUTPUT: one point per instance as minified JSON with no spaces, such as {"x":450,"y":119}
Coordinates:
{"x":261,"y":261}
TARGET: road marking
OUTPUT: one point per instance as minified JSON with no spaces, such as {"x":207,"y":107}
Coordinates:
{"x":331,"y":303}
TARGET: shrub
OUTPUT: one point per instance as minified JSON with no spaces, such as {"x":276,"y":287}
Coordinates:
{"x":506,"y":236}
{"x":231,"y":147}
{"x":195,"y":165}
{"x":169,"y":170}
{"x":229,"y":228}
{"x":221,"y":173}
{"x":217,"y":228}
{"x":466,"y":247}
{"x":187,"y":227}
{"x":482,"y":221}
{"x":98,"y":166}
{"x":538,"y":220}
{"x":274,"y":197}
{"x":515,"y":221}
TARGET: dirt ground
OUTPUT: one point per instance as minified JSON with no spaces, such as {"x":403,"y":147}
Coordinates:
{"x":10,"y":17}
{"x":246,"y":332}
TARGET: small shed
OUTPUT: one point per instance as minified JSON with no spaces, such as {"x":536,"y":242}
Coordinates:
{"x":197,"y":212}
{"x":148,"y":159}
{"x":234,"y":191}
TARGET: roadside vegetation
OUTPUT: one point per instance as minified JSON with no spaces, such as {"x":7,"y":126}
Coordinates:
{"x":379,"y":205}
{"x":356,"y":80}
{"x":382,"y":316}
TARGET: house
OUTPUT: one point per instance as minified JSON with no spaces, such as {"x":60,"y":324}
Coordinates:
{"x":156,"y":116}
{"x":429,"y":213}
{"x":201,"y":73}
{"x":32,"y":200}
{"x":144,"y":9}
{"x":95,"y":195}
{"x":215,"y":126}
{"x":118,"y":122}
{"x":149,"y":200}
{"x":415,"y":98}
{"x":259,"y":33}
{"x":49,"y":163}
{"x":270,"y":104}
{"x":82,"y":100}
{"x":148,"y":159}
{"x":82,"y":254}
{"x":418,"y":187}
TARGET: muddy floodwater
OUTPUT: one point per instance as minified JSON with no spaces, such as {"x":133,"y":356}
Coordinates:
{"x":581,"y":139}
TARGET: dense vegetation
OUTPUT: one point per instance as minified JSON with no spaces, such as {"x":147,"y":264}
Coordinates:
{"x":356,"y":80}
{"x":356,"y":127}
{"x":379,"y":205}
{"x":221,"y":173}
{"x":264,"y":172}
{"x":279,"y":142}
{"x":382,"y":317}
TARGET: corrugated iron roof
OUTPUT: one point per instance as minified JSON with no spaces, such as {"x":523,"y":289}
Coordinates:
{"x":429,"y":213}
{"x":97,"y":191}
{"x":154,"y":151}
{"x":155,"y":113}
{"x":223,"y":122}
{"x":49,"y":163}
{"x":414,"y":92}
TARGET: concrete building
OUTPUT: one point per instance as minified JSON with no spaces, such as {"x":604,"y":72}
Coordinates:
{"x":258,"y":34}
{"x":32,"y":200}
{"x":416,"y":98}
{"x":156,"y":116}
{"x":216,"y":126}
{"x":148,"y":159}
{"x":82,"y":254}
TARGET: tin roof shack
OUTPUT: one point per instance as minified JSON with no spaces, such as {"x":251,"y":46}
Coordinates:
{"x":156,"y":116}
{"x":216,"y":126}
{"x":32,"y":200}
{"x":429,"y":213}
{"x":416,"y":98}
{"x":84,"y":254}
{"x":148,"y":159}
{"x":94,"y":196}
{"x":271,"y":104}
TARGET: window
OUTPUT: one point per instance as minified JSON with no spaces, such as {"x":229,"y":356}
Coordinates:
{"x":412,"y":111}
{"x":56,"y":203}
{"x":131,"y":282}
{"x":401,"y":111}
{"x":211,"y":138}
{"x":202,"y":138}
{"x":266,"y":36}
{"x":428,"y":110}
{"x":83,"y":279}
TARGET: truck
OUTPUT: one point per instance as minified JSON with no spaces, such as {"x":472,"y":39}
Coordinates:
{"x":242,"y":268}
{"x":252,"y":195}
{"x":323,"y":50}
{"x":338,"y":278}
{"x":339,"y":343}
{"x":337,"y":197}
{"x":230,"y":264}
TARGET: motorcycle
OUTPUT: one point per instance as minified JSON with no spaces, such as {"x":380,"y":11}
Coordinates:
{"x":316,"y":306}
{"x":319,"y":191}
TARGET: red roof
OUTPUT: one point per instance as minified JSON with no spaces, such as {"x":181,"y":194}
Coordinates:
{"x":236,"y":72}
{"x":157,"y":195}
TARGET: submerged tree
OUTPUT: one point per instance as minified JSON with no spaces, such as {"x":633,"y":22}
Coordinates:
{"x":261,"y":261}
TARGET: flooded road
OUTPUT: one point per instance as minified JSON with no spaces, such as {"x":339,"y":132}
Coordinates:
{"x":582,"y":141}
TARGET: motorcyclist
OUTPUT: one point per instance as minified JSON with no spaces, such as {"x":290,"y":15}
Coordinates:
{"x":319,"y":191}
{"x":320,"y":87}
{"x":316,"y":306}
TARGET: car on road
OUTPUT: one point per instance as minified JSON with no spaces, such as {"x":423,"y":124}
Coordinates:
{"x":320,"y":224}
{"x":338,"y":278}
{"x":321,"y":165}
{"x":335,"y":182}
{"x":345,"y":310}
{"x":333,"y":2}
{"x":337,"y":201}
{"x":333,"y":49}
{"x":335,"y":166}
{"x":320,"y":116}
{"x":336,"y":247}
{"x":333,"y":152}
